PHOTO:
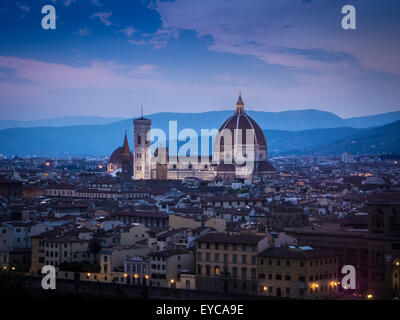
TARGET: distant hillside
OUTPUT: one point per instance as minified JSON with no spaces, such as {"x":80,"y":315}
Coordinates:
{"x":298,"y":141}
{"x":295,"y":120}
{"x":383,"y":139}
{"x":103,"y":139}
{"x":56,"y":122}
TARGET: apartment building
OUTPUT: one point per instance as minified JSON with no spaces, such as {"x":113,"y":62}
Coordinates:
{"x":166,"y":266}
{"x":228,"y":263}
{"x":55,"y":247}
{"x":298,"y":272}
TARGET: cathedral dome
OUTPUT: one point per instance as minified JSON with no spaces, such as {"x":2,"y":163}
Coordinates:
{"x":243,"y":121}
{"x":240,"y":121}
{"x":116,"y":156}
{"x":234,"y":154}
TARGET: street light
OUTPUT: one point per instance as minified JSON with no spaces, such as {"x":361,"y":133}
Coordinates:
{"x":265,"y":288}
{"x":370,"y":296}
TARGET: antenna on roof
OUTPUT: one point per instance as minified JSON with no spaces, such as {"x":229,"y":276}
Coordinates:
{"x":141,"y":111}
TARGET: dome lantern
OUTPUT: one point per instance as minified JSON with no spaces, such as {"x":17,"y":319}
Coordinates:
{"x":240,"y":105}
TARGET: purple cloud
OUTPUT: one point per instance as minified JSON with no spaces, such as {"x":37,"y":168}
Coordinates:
{"x":103,"y":17}
{"x":259,"y":29}
{"x":128,"y":31}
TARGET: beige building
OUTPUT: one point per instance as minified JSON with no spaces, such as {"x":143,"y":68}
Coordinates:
{"x":51,"y":249}
{"x":132,"y":234}
{"x":228,"y":263}
{"x":166,"y":267}
{"x":297,"y":272}
{"x":374,"y":254}
{"x":175,"y":221}
{"x":112,"y":259}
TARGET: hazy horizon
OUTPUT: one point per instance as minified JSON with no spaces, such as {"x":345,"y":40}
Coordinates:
{"x":182,"y":112}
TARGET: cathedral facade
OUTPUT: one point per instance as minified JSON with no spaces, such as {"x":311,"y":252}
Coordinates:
{"x":239,"y":151}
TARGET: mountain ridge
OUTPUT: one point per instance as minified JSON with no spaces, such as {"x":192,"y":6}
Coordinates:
{"x":292,"y":120}
{"x":100,"y":140}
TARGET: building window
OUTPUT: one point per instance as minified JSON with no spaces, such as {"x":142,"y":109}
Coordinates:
{"x":234,"y":272}
{"x":244,"y":273}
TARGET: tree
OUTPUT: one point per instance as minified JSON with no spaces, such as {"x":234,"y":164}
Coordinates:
{"x":94,"y":247}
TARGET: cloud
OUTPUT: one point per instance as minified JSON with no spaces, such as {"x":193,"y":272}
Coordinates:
{"x":313,"y":38}
{"x":84,"y":32}
{"x":23,"y":7}
{"x":103,"y":17}
{"x":145,"y":68}
{"x":108,"y":89}
{"x":96,"y":2}
{"x":157,"y":40}
{"x":138,"y":42}
{"x":67,"y":3}
{"x":128,"y":31}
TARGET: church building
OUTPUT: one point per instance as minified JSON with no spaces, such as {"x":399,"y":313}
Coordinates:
{"x":239,"y":151}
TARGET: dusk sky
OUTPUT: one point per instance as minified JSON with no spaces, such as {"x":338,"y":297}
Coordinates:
{"x":107,"y":57}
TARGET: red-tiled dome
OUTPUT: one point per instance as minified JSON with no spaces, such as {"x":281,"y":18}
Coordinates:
{"x":243,"y":121}
{"x":240,"y":120}
{"x":116,"y":156}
